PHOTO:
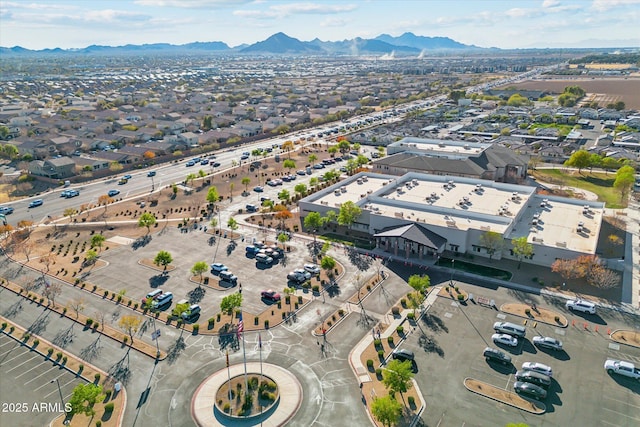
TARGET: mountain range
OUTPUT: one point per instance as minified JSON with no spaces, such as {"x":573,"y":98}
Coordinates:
{"x":278,"y":44}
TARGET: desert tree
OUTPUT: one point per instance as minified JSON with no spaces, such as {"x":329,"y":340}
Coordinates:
{"x":521,"y":249}
{"x":77,"y":305}
{"x":213,"y":197}
{"x":104,"y":200}
{"x":84,"y":398}
{"x":287,"y":146}
{"x":230,"y":303}
{"x":100,"y":316}
{"x":386,"y":410}
{"x":246,"y":181}
{"x":129,"y":324}
{"x":348,"y":214}
{"x":397,"y":376}
{"x":300,"y":189}
{"x":97,"y":240}
{"x":147,"y":219}
{"x":69,"y":212}
{"x":51,"y":292}
{"x":163,"y":258}
{"x":198,"y":269}
{"x":492,"y":242}
{"x":289,"y":291}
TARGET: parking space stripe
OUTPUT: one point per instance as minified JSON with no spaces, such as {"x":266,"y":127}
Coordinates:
{"x":47,"y":382}
{"x":16,"y":367}
{"x":621,"y":413}
{"x":621,"y":401}
{"x":44,"y":373}
{"x":27,"y":371}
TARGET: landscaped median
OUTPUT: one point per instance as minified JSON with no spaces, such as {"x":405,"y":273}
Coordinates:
{"x":501,"y":395}
{"x":108,"y":412}
{"x":626,"y":337}
{"x":536,"y":314}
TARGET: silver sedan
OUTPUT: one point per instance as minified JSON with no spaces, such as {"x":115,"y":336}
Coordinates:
{"x":547,"y":342}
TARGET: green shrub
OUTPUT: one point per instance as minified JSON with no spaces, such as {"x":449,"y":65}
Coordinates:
{"x":108,"y":407}
{"x":226,"y":408}
{"x":379,"y":372}
{"x":64,"y":359}
{"x":411,"y":316}
{"x":380,"y":353}
{"x":390,"y":340}
{"x":196,"y":327}
{"x":399,"y":330}
{"x":369,"y":363}
{"x":96,"y":377}
{"x":377,"y":342}
{"x":411,"y":400}
{"x":395,"y":311}
{"x":89,"y":322}
{"x":460,"y":297}
{"x":557,"y":319}
{"x":403,"y":302}
{"x":98,"y":423}
{"x":49,"y":352}
{"x":36,"y":342}
{"x":4,"y":325}
{"x":266,"y":324}
{"x":59,"y":355}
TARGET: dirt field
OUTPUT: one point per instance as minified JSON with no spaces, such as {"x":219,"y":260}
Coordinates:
{"x":604,"y":90}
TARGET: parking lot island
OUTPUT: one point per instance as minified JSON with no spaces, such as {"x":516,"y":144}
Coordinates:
{"x":535,"y":313}
{"x":504,"y":396}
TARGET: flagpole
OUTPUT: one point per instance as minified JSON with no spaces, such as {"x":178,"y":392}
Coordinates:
{"x":229,"y":374}
{"x":244,"y":355}
{"x":260,"y":348}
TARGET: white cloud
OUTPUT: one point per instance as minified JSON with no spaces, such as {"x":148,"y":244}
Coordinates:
{"x":190,"y":4}
{"x":288,"y":9}
{"x":550,"y":3}
{"x":334,"y":22}
{"x":110,"y":15}
{"x":603,"y":5}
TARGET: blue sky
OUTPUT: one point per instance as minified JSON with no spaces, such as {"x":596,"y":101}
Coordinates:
{"x":38,"y":24}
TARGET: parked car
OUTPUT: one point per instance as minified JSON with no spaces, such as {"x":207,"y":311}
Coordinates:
{"x":547,"y":342}
{"x":262,"y":258}
{"x":301,"y":173}
{"x":533,"y":377}
{"x":581,"y":305}
{"x":312,"y":268}
{"x":270,"y":295}
{"x":493,"y":354}
{"x":217,"y":267}
{"x":229,"y":277}
{"x":504,"y":339}
{"x":622,"y":367}
{"x":258,"y":189}
{"x":252,"y":250}
{"x":112,"y":193}
{"x":191,"y":312}
{"x":6,"y":210}
{"x":530,"y":389}
{"x":538,"y":367}
{"x":402,"y":354}
{"x":153,"y":295}
{"x":303,"y":273}
{"x":296,"y":277}
{"x":251,"y":208}
{"x":36,"y":203}
{"x":509,"y":328}
{"x":163,"y":300}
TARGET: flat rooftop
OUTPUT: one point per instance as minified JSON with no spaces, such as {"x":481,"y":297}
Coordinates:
{"x":438,"y":147}
{"x":466,"y":203}
{"x":562,"y":223}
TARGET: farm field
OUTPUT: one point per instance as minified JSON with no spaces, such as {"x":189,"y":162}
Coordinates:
{"x":603,"y":90}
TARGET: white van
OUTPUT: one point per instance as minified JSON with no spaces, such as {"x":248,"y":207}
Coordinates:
{"x":510,"y":328}
{"x":162,"y":300}
{"x":191,"y":312}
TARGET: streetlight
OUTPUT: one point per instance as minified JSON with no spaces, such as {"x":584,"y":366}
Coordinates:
{"x":66,"y":422}
{"x":453,"y":266}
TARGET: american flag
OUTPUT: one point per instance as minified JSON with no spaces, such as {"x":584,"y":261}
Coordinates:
{"x":259,"y":341}
{"x":240,"y":325}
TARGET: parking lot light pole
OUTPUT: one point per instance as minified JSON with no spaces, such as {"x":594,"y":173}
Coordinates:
{"x":59,"y":391}
{"x":453,"y":267}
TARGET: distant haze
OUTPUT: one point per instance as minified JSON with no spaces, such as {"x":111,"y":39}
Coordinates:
{"x":41,"y":24}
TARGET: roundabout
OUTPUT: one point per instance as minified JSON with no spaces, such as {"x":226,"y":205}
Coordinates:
{"x":205,"y":411}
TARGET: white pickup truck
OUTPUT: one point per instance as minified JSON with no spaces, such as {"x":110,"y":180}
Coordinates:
{"x":621,"y":367}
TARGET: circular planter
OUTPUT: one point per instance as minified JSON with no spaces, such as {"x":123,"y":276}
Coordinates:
{"x":258,"y":413}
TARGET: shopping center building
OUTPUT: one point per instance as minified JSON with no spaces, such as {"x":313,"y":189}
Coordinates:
{"x":419,"y":215}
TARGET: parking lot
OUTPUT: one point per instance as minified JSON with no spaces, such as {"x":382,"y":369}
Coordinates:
{"x":581,"y":392}
{"x":29,"y":385}
{"x":124,"y":271}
